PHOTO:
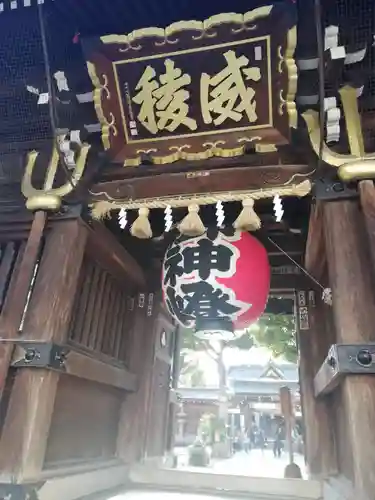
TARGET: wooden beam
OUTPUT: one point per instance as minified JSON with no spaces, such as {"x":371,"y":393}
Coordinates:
{"x":289,"y":282}
{"x":89,"y":368}
{"x":103,"y":247}
{"x":203,"y":181}
{"x":78,"y":364}
{"x":354,"y":312}
{"x":70,"y":485}
{"x":285,"y":155}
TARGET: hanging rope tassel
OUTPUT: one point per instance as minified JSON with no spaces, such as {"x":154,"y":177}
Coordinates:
{"x":141,"y":227}
{"x":192,"y":224}
{"x":248,"y":219}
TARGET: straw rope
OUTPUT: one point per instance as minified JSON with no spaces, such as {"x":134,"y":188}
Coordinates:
{"x":101,"y":209}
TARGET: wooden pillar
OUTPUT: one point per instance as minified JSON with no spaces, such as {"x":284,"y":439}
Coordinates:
{"x":16,"y":296}
{"x":24,"y":437}
{"x":132,"y":435}
{"x":318,"y":416}
{"x":354,"y":313}
{"x":173,"y":406}
{"x":315,"y":337}
{"x":367,"y":193}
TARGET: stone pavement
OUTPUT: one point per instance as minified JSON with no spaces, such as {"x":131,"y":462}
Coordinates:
{"x":255,"y":463}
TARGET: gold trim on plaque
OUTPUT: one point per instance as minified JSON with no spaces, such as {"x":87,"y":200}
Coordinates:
{"x":242,"y":20}
{"x":99,"y":87}
{"x":287,"y":60}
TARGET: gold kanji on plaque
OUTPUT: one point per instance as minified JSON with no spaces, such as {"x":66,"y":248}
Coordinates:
{"x":163,"y":102}
{"x":226,"y":94}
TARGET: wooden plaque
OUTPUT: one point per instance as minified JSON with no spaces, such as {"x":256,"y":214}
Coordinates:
{"x":196,"y":89}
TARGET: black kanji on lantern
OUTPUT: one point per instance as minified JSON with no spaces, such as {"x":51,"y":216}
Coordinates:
{"x":207,"y":257}
{"x":175,"y":304}
{"x":172,"y":265}
{"x":202,"y":300}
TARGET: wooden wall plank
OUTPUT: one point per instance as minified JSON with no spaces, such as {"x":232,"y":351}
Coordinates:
{"x":128,"y":334}
{"x":114,"y":323}
{"x":89,"y":312}
{"x":109,"y":319}
{"x":83,"y":426}
{"x":103,"y":314}
{"x":82,"y":300}
{"x":121,"y":332}
{"x":98,"y":308}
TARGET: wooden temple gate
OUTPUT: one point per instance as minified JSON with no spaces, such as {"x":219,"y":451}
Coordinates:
{"x":111,"y":147}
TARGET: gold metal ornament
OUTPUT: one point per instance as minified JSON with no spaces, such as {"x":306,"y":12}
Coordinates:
{"x":357,"y":165}
{"x":49,"y":198}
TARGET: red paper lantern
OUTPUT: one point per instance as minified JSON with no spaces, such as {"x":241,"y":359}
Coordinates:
{"x":217,"y":282}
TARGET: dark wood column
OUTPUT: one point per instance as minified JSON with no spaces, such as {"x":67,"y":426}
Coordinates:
{"x":24,"y":436}
{"x":367,"y":193}
{"x":349,"y":267}
{"x":315,"y":338}
{"x":318,"y":417}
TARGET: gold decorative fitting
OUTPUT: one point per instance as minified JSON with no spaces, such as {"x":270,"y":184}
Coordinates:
{"x":265,"y":148}
{"x":214,"y":149}
{"x":287,"y":61}
{"x":107,"y":124}
{"x":49,"y":198}
{"x":354,"y":166}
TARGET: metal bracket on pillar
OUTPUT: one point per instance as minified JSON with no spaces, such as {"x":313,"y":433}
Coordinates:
{"x":344,"y":360}
{"x":39,"y":355}
{"x":328,"y":187}
{"x":17,"y":492}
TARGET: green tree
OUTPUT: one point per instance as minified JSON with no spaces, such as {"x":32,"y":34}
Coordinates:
{"x":277,"y":332}
{"x":213,"y":348}
{"x":191,"y":374}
